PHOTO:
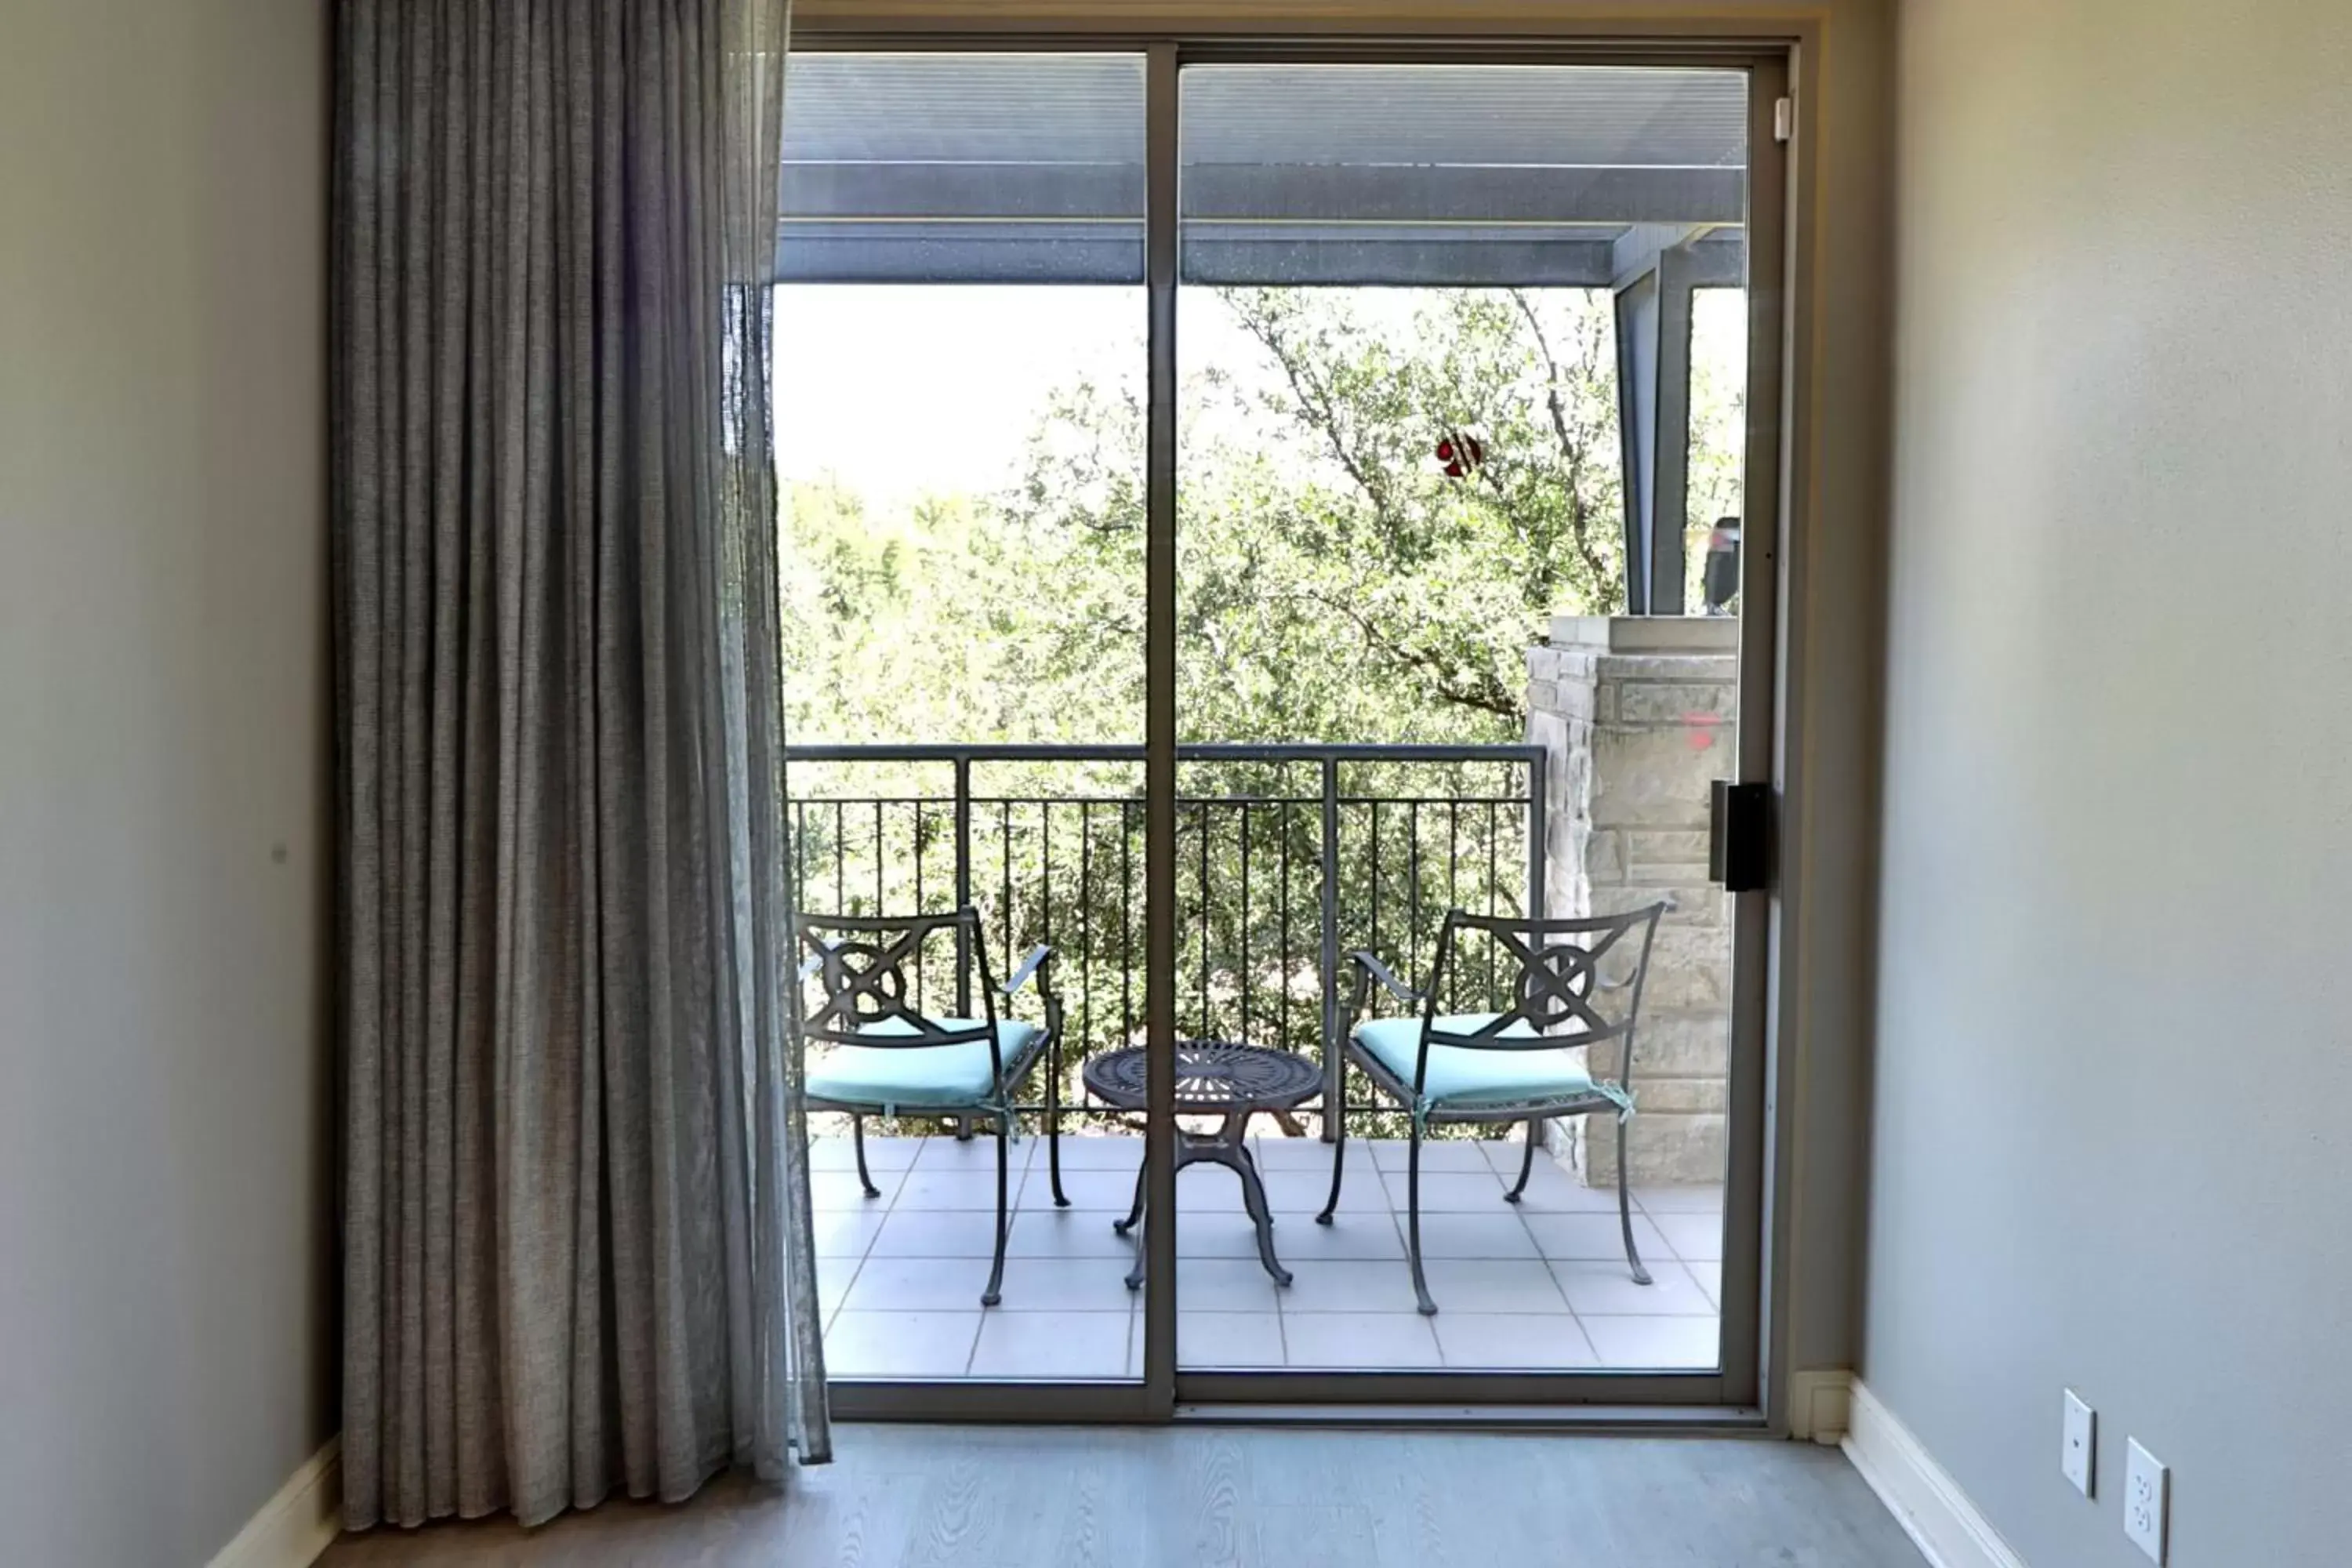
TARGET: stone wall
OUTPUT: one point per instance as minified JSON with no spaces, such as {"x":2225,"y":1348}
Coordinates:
{"x":1637,"y":716}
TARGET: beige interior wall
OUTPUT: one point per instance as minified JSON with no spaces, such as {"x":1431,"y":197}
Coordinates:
{"x":166,"y":1183}
{"x":2112,"y":1097}
{"x":166,"y":1343}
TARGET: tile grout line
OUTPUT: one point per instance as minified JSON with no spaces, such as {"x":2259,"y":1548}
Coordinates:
{"x":1283,"y":1307}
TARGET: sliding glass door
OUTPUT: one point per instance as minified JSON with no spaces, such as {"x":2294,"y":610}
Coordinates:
{"x":1460,"y":497}
{"x":1248,"y":509}
{"x":960,"y":392}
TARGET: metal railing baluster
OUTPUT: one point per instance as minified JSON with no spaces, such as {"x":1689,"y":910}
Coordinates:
{"x":1328,"y":897}
{"x":1453,"y":890}
{"x":1086,"y":926}
{"x":1035,"y":888}
{"x":1282,"y":958}
{"x":962,"y":880}
{"x":915,"y":808}
{"x":1205,"y":1028}
{"x":1126,"y":923}
{"x":1494,"y":885}
{"x":1245,"y":977}
{"x":1413,"y":888}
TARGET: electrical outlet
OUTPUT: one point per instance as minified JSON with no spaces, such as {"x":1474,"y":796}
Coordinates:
{"x":2147,"y":1486}
{"x":2078,"y":1458}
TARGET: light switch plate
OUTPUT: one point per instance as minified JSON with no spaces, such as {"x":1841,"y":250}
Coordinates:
{"x":2147,"y":1486}
{"x":2079,"y":1457}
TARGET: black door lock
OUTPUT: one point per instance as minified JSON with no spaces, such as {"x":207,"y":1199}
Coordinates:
{"x":1738,"y":835}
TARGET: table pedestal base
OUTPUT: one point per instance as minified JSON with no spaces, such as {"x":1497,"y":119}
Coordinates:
{"x":1229,"y":1147}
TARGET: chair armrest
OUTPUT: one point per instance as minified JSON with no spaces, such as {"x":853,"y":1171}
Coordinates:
{"x":1032,"y":965}
{"x":1389,"y":982}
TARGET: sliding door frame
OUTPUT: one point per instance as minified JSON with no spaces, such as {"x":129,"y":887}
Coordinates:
{"x":1733,"y":1395}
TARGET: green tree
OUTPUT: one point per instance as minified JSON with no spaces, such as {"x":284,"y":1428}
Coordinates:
{"x":1335,"y":583}
{"x":1438,"y":583}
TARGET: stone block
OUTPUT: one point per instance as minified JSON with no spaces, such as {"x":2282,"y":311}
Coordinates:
{"x":1659,"y":1086}
{"x":1656,"y":778}
{"x":1546,"y":662}
{"x":1673,"y":846}
{"x":1690,"y":971}
{"x":1681,"y":1044}
{"x":1681,"y":1096}
{"x":1604,"y":859}
{"x":1661,"y":1149}
{"x":1571,"y":699}
{"x":1655,"y":702}
{"x":1698,"y":902}
{"x":1685,"y":636}
{"x":1619,"y":668}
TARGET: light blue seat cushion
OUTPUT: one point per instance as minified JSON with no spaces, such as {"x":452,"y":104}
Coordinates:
{"x":1467,"y":1076}
{"x":943,"y":1076}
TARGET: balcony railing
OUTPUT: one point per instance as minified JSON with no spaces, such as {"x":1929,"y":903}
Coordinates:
{"x":1288,"y":857}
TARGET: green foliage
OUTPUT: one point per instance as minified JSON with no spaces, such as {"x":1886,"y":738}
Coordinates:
{"x":1333,"y":584}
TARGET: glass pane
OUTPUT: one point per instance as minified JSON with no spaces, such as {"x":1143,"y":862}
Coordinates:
{"x":1449,"y":175}
{"x":1437,"y":335}
{"x":1718,"y":455}
{"x":946,"y":167}
{"x":960,"y":382}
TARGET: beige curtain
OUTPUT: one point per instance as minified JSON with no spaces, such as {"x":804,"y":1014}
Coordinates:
{"x":577,"y":1240}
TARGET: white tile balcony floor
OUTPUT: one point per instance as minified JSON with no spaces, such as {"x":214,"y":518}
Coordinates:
{"x":1541,"y":1285}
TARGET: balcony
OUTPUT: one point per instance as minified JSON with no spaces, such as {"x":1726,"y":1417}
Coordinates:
{"x":1288,"y":857}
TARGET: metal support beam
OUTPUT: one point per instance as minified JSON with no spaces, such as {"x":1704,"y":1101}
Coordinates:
{"x":1659,"y":268}
{"x":1637,"y":415}
{"x":1267,"y":191}
{"x":1670,"y":469}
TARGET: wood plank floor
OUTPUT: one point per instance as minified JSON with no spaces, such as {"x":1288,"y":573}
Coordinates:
{"x":899,"y":1497}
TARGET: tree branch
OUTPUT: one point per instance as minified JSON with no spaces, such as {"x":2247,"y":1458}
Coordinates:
{"x":1572,"y":451}
{"x":1485,"y":694}
{"x":1315,"y":399}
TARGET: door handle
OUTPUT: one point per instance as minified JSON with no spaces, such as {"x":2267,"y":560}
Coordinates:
{"x":1739,"y":818}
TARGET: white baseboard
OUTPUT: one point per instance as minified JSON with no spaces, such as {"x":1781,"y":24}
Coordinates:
{"x":1920,"y":1492}
{"x":1818,"y":1403}
{"x":297,"y":1524}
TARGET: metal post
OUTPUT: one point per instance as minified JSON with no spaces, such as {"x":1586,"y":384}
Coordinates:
{"x":963,"y":882}
{"x":1670,"y":469}
{"x":1335,"y":1076}
{"x":1158,"y":1245}
{"x":1538,"y":823}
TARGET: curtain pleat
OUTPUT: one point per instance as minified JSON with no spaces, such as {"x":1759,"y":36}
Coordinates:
{"x":577,"y":1237}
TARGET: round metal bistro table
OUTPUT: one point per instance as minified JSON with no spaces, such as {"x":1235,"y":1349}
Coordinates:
{"x":1213,"y":1077}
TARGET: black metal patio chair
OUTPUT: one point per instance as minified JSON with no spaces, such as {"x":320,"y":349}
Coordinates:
{"x":1575,"y":983}
{"x":873,"y":1052}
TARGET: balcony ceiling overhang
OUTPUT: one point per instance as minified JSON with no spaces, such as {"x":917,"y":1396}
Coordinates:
{"x":974,"y":168}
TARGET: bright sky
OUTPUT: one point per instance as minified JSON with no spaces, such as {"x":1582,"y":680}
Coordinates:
{"x":902,"y":388}
{"x":907,"y":389}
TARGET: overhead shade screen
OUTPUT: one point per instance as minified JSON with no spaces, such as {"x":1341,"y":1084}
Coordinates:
{"x":1456,"y":174}
{"x":971,"y":168}
{"x":962,"y":168}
